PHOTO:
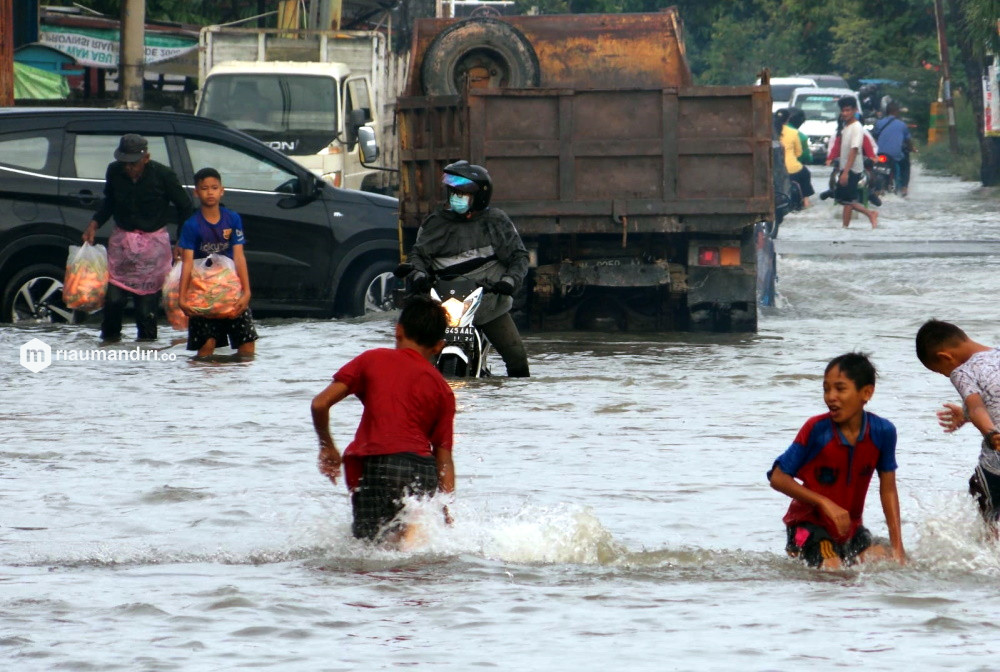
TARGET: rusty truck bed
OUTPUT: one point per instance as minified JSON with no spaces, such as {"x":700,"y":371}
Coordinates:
{"x":593,"y":161}
{"x":577,"y":51}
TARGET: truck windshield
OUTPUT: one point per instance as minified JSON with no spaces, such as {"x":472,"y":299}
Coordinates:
{"x":263,"y":103}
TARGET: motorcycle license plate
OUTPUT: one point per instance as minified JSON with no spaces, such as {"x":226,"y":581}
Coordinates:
{"x":459,"y":334}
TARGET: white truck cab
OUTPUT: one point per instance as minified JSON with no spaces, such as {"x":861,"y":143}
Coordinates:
{"x":309,"y":111}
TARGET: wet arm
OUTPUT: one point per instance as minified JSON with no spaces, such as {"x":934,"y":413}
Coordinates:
{"x":329,"y":456}
{"x":187,"y":262}
{"x":241,"y":270}
{"x":890,"y":507}
{"x":980,"y":417}
{"x":445,"y":469}
{"x":784,"y":483}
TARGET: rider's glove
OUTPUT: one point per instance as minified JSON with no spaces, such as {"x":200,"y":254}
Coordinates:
{"x":504,"y":287}
{"x":420,"y":281}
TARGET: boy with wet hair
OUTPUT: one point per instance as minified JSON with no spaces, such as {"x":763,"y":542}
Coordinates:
{"x":834,"y":456}
{"x":974,"y":370}
{"x":403,"y":444}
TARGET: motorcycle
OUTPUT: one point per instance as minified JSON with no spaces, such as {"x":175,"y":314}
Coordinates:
{"x":883,"y":175}
{"x":466,"y":348}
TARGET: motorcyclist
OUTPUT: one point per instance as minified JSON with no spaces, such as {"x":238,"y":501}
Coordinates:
{"x":466,"y":237}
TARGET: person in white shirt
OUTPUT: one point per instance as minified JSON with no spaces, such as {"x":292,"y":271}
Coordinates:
{"x":851,"y":164}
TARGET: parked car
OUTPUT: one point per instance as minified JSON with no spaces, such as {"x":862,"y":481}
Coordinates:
{"x":782,"y":87}
{"x":821,"y":110}
{"x":312,"y":249}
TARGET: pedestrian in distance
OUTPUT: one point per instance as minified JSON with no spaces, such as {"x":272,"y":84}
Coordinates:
{"x":794,"y":153}
{"x":852,"y":165}
{"x":215,"y":229}
{"x":143,"y":196}
{"x":974,"y":370}
{"x":403,"y":444}
{"x":834,"y":456}
{"x":894,"y":140}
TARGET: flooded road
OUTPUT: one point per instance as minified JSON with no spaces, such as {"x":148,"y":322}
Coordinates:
{"x":612,"y":511}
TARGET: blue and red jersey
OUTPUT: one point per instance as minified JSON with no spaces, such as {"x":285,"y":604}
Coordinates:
{"x":206,"y":238}
{"x":826,"y":463}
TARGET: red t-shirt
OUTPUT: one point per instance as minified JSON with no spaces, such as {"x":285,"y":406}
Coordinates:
{"x":409,"y":407}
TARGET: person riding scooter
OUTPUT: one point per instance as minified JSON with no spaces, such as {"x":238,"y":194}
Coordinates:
{"x":467,"y":237}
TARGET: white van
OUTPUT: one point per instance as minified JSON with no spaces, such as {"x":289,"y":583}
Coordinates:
{"x":821,"y":110}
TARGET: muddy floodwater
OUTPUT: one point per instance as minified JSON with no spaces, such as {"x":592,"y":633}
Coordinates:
{"x":612,"y":512}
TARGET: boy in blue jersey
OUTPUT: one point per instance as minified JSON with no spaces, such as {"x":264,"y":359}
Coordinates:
{"x":834,"y":456}
{"x":215,"y":229}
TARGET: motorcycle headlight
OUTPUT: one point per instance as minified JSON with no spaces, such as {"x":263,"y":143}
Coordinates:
{"x":454,"y":309}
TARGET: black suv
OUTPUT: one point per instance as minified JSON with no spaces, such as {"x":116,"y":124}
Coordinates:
{"x":312,"y":249}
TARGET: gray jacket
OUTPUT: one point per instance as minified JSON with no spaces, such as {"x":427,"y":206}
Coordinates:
{"x":483,"y":246}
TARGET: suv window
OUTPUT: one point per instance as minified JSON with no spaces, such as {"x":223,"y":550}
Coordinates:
{"x":28,"y":151}
{"x":93,"y":153}
{"x":239,"y":169}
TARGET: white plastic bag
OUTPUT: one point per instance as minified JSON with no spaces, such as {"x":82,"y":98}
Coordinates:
{"x":172,"y":299}
{"x":214,"y":288}
{"x":86,"y":280}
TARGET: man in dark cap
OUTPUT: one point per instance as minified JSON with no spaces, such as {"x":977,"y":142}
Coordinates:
{"x":143,"y":196}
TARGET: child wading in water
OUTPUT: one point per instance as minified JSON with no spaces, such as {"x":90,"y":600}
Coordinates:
{"x":215,"y":229}
{"x":402,"y":447}
{"x":974,"y":370}
{"x":834,"y":456}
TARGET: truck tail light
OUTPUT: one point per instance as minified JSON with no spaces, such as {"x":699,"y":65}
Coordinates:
{"x":730,"y":256}
{"x":708,"y":256}
{"x":718,"y":256}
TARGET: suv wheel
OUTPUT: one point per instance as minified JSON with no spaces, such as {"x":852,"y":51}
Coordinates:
{"x":34,"y":294}
{"x":373,"y":291}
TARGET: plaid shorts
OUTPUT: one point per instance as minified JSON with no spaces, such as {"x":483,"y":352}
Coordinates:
{"x":813,"y":544}
{"x":385,"y":481}
{"x":985,"y":487}
{"x":235,"y":331}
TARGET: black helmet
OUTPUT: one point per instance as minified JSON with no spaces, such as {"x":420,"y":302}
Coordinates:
{"x":470,"y":179}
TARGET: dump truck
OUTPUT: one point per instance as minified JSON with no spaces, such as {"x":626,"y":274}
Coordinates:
{"x":303,"y":92}
{"x":635,"y":192}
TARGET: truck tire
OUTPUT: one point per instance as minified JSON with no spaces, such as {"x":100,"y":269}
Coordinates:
{"x":373,"y":289}
{"x":34,"y":294}
{"x":481,"y":46}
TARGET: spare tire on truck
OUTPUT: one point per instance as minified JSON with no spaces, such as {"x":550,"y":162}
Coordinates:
{"x":489,"y":52}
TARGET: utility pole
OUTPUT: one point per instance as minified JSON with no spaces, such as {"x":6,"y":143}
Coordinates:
{"x":6,"y":53}
{"x":949,"y":102}
{"x":132,"y":57}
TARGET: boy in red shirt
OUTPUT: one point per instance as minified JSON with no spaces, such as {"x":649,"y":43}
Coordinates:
{"x":834,"y":456}
{"x":403,"y":444}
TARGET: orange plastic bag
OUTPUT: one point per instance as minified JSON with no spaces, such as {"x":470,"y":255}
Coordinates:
{"x":172,"y":299}
{"x":214,"y":288}
{"x":86,"y":280}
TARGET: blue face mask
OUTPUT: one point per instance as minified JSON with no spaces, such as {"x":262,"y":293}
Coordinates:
{"x":459,"y":203}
